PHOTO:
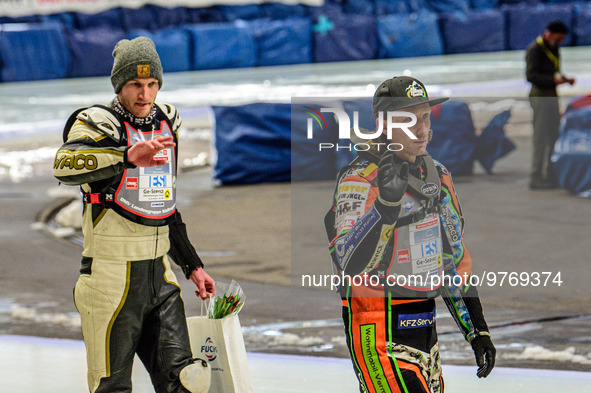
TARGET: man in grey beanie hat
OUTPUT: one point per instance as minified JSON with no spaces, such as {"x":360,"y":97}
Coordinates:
{"x":135,"y":59}
{"x":124,"y":158}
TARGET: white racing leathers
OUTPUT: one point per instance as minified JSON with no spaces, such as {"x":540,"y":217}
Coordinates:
{"x":127,"y":295}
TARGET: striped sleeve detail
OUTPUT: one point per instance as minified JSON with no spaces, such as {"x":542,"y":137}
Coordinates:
{"x":453,"y":223}
{"x":88,"y":157}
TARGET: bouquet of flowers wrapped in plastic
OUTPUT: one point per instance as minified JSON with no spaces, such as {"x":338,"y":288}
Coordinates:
{"x":227,"y":302}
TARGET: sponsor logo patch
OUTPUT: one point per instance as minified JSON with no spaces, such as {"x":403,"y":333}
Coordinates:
{"x":403,"y":256}
{"x":131,"y":183}
{"x":415,"y":321}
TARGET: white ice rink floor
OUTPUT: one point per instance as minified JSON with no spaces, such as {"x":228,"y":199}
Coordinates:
{"x":42,"y":365}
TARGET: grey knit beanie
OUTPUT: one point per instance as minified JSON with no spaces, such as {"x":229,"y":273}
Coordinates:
{"x":135,"y":59}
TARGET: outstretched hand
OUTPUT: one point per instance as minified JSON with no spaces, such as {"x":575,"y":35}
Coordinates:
{"x":392,"y":185}
{"x":205,"y":284}
{"x":142,"y":153}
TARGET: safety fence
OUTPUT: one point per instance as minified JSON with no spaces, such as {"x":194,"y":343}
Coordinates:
{"x":76,"y":44}
{"x":267,"y":142}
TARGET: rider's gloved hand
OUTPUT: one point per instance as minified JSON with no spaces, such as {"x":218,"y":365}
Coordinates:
{"x":485,"y":354}
{"x":392,"y":186}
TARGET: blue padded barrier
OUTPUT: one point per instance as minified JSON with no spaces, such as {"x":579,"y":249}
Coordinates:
{"x":109,"y":18}
{"x":454,"y":137}
{"x":484,"y":4}
{"x":504,"y":3}
{"x":341,"y":37}
{"x":410,"y":35}
{"x":308,"y":161}
{"x":524,"y":23}
{"x":492,"y":144}
{"x":328,"y":9}
{"x":363,"y":108}
{"x":283,"y":42}
{"x":140,"y":19}
{"x":20,"y":19}
{"x":222,"y":45}
{"x":252,"y":143}
{"x":173,"y":46}
{"x":582,"y":24}
{"x":283,"y":11}
{"x":572,"y":152}
{"x":166,"y":17}
{"x":92,"y":50}
{"x":387,"y":7}
{"x":33,"y":52}
{"x":365,"y":120}
{"x":475,"y":31}
{"x":245,"y":11}
{"x":205,"y":15}
{"x":360,"y":7}
{"x":448,"y":6}
{"x":67,"y":19}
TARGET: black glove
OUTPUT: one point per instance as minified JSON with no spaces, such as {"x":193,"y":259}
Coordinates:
{"x":485,"y":354}
{"x":392,"y":185}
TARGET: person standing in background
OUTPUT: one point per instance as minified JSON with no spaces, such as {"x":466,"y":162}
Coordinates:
{"x":543,"y":72}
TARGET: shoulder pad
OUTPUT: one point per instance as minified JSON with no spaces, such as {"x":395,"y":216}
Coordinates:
{"x":172,"y":114}
{"x":102,"y":120}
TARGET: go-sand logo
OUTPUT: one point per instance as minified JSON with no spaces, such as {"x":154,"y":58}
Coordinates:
{"x":344,"y":122}
{"x":209,"y":349}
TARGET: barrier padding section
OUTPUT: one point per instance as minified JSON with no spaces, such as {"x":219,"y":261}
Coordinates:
{"x":20,"y":19}
{"x":579,"y":102}
{"x":447,"y":6}
{"x":252,"y":143}
{"x":492,"y":144}
{"x":283,"y":11}
{"x":454,"y":137}
{"x":484,"y":4}
{"x":365,"y":120}
{"x":360,"y":7}
{"x":67,"y":19}
{"x":245,"y":11}
{"x":582,"y":24}
{"x":524,"y":23}
{"x":478,"y":31}
{"x":411,"y":35}
{"x":33,"y":52}
{"x":222,"y":45}
{"x":205,"y":15}
{"x":109,"y":18}
{"x":572,"y":152}
{"x":387,"y":7}
{"x":282,"y":42}
{"x":167,"y":17}
{"x":173,"y":46}
{"x":308,"y":161}
{"x":341,"y":37}
{"x":91,"y":51}
{"x":140,"y":19}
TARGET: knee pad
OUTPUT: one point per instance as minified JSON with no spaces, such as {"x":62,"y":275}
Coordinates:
{"x":196,"y":377}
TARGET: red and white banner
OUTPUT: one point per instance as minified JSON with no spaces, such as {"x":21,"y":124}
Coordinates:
{"x":39,"y":7}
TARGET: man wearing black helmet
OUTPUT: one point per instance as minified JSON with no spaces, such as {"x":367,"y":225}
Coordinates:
{"x":543,"y":72}
{"x":404,"y":237}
